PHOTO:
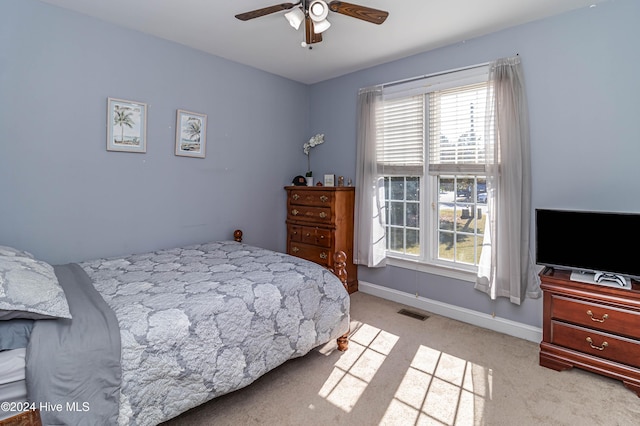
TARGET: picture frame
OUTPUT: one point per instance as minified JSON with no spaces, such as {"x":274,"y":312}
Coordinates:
{"x":329,"y":180}
{"x":191,"y":134}
{"x":126,"y":125}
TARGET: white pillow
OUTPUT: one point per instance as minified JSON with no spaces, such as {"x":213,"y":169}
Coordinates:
{"x":29,"y":288}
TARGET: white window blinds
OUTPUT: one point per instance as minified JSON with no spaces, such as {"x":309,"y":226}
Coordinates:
{"x":400,"y":129}
{"x":457,"y":130}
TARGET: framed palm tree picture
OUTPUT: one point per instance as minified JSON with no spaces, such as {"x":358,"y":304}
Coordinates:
{"x":191,"y":134}
{"x":126,"y":125}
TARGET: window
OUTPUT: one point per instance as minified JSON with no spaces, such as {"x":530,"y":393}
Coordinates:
{"x":431,"y":153}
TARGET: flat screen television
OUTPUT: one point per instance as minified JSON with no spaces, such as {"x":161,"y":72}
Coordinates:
{"x":589,"y":241}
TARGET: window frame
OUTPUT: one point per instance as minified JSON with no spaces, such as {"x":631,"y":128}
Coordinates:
{"x":427,"y":260}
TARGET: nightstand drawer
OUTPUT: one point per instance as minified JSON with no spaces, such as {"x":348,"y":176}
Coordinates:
{"x":601,"y":345}
{"x":311,"y":198}
{"x":315,"y":254}
{"x":595,"y":315}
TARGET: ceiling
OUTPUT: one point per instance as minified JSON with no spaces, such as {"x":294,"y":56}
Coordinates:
{"x":269,"y":43}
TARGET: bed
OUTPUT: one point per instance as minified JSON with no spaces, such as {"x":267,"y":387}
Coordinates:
{"x":140,"y":339}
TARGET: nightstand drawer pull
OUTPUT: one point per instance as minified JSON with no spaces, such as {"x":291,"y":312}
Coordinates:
{"x":604,"y":317}
{"x":600,"y":348}
{"x":324,"y":198}
{"x":295,"y":196}
{"x":294,"y":212}
{"x":322,"y":215}
{"x":295,"y":249}
{"x":323,"y":255}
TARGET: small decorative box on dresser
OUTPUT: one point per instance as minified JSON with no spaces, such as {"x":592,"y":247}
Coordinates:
{"x":319,"y":223}
{"x":593,"y":327}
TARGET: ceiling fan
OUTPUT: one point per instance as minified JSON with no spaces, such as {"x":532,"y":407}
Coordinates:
{"x":314,"y":14}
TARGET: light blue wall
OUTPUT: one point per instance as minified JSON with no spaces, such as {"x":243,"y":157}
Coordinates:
{"x":65,"y":198}
{"x":582,"y":73}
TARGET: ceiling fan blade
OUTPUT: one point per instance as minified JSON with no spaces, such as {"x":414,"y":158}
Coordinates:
{"x":310,"y":36}
{"x":265,"y":11}
{"x":368,"y":14}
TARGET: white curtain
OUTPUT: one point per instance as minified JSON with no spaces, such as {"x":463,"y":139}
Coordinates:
{"x":506,"y":267}
{"x":370,"y":241}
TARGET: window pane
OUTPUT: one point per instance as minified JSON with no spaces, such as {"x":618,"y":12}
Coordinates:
{"x":445,"y":187}
{"x":413,"y":215}
{"x":457,"y":125}
{"x":465,"y":248}
{"x":445,"y":246}
{"x":481,"y":190}
{"x":466,"y":221}
{"x":465,"y":189}
{"x":461,"y":218}
{"x":413,"y":188}
{"x":413,"y":241}
{"x":397,"y":188}
{"x":396,"y":213}
{"x":403,"y":214}
{"x":396,"y":239}
{"x":445,"y":217}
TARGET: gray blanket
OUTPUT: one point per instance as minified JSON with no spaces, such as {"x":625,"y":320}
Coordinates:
{"x":73,"y":366}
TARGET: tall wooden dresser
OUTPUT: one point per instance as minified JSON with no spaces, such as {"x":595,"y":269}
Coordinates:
{"x":319,"y":223}
{"x":593,"y":327}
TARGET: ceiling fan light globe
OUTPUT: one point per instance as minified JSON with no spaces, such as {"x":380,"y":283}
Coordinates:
{"x":320,"y":27}
{"x":318,"y":10}
{"x":295,"y":17}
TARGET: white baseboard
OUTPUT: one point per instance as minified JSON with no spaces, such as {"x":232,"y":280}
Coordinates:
{"x":501,"y":325}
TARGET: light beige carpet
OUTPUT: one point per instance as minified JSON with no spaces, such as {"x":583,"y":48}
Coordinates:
{"x":403,"y":371}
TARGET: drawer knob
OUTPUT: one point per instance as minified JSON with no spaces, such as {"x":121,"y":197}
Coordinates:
{"x":323,"y":255}
{"x":604,"y":317}
{"x":295,"y":249}
{"x":322,"y":215}
{"x":600,"y":348}
{"x":308,"y":234}
{"x":294,"y":212}
{"x":324,"y":198}
{"x":295,"y":196}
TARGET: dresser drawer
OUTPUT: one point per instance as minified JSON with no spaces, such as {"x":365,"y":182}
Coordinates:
{"x":315,"y":254}
{"x":294,"y":232}
{"x":599,"y":344}
{"x":311,"y":198}
{"x":595,"y":315}
{"x":316,"y":236}
{"x":312,"y":214}
{"x":310,"y":235}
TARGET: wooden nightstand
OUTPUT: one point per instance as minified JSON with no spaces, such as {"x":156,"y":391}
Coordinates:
{"x":593,"y":327}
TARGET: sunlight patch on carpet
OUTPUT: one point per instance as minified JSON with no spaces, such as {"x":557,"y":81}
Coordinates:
{"x":439,"y":388}
{"x":368,"y":348}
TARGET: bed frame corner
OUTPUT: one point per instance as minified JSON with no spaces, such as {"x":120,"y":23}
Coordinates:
{"x":237,"y":235}
{"x":340,"y":270}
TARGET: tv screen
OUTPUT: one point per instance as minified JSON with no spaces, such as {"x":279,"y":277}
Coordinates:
{"x":589,"y":241}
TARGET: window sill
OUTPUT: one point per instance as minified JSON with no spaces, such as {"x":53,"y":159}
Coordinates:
{"x":432,"y":269}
